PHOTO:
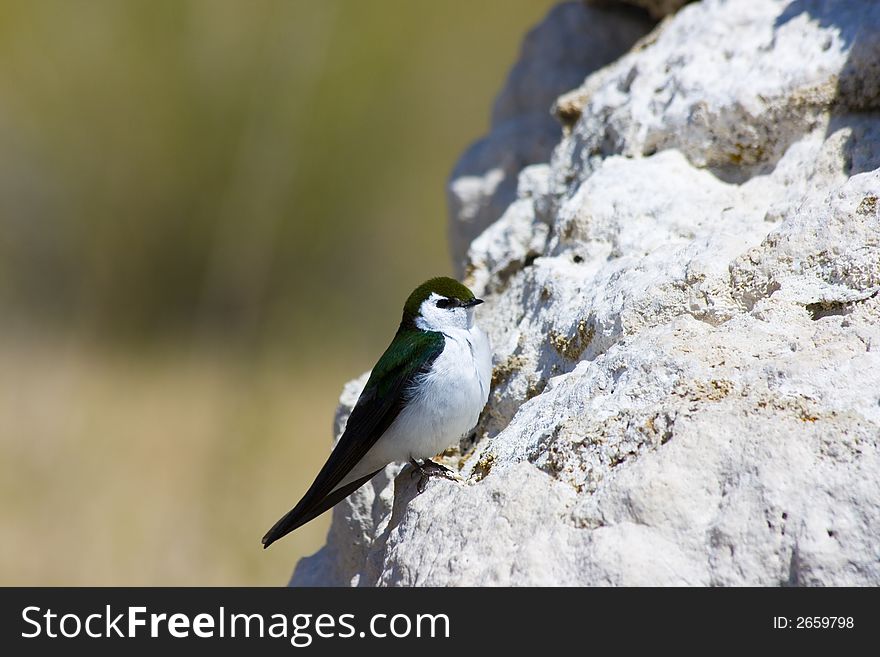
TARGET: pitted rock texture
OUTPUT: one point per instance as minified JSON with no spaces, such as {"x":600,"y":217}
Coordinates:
{"x":684,"y":304}
{"x":572,"y":41}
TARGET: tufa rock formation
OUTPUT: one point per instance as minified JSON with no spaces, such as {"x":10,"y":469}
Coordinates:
{"x":683,"y":301}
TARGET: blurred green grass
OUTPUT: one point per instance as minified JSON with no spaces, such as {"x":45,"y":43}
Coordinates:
{"x":210,"y":214}
{"x":154,"y":467}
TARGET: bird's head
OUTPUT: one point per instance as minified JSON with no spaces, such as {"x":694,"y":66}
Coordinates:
{"x":440,"y":304}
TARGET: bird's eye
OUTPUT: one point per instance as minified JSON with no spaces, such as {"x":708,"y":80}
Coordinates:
{"x":444,"y":303}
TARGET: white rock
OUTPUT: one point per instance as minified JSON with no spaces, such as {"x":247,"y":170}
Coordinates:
{"x":729,"y":83}
{"x":687,"y":367}
{"x":572,"y":41}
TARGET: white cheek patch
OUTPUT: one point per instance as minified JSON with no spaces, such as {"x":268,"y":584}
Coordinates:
{"x":433,"y":318}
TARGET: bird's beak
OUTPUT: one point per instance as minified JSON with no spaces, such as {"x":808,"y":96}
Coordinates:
{"x":472,"y":303}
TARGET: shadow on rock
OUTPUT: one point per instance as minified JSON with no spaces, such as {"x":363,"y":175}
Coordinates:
{"x":857,"y":98}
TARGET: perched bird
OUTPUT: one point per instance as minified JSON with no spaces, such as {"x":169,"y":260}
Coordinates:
{"x":426,"y":392}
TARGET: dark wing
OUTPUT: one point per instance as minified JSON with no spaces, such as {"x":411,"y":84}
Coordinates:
{"x":410,"y":353}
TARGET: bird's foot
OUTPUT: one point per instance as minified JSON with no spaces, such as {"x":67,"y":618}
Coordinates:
{"x":427,"y":469}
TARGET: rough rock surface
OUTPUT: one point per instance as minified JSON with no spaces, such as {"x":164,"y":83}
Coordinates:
{"x":684,"y":302}
{"x":572,"y":41}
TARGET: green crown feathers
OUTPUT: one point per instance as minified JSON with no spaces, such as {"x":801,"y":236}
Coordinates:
{"x":442,"y":285}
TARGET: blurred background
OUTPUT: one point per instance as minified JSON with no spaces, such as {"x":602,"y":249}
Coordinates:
{"x":211,"y":212}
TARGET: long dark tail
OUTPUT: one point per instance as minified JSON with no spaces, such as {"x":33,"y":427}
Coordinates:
{"x":308,"y":509}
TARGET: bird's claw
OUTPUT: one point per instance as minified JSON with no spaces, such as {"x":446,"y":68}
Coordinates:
{"x":427,"y":469}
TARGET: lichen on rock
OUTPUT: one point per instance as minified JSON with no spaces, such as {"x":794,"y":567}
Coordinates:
{"x":684,"y":303}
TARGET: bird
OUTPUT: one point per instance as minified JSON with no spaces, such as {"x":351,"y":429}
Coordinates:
{"x":425,"y":392}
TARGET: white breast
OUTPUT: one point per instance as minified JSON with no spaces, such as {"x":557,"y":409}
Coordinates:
{"x":451,"y":395}
{"x":447,"y":403}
